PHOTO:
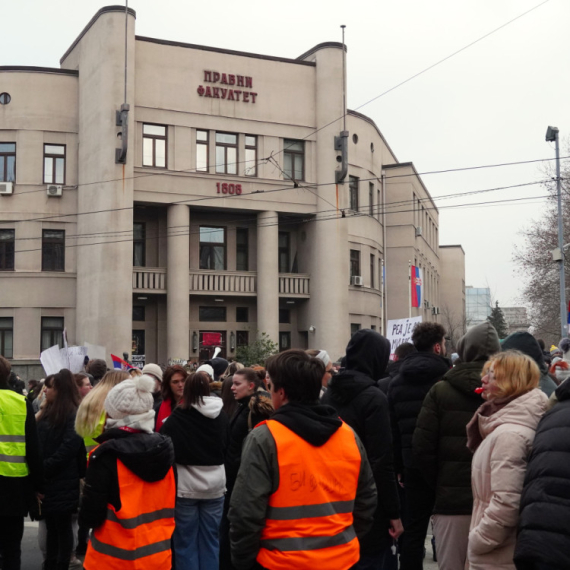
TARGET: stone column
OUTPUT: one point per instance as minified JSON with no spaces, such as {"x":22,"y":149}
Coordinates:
{"x":178,"y":281}
{"x":268,"y":274}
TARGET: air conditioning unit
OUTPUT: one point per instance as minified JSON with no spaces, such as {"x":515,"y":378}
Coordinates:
{"x":357,"y":280}
{"x":6,"y":188}
{"x":426,"y":304}
{"x":53,"y":190}
{"x":437,"y":311}
{"x":434,"y":310}
{"x":418,"y":231}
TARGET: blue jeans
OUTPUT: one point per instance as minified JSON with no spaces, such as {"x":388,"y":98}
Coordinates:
{"x":196,"y":536}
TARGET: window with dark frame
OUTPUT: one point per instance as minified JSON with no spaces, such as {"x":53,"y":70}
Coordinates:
{"x":242,"y":338}
{"x":226,"y":153}
{"x":371,"y":198}
{"x":294,"y":159}
{"x":372,"y":271}
{"x":212,"y":314}
{"x":242,"y":249}
{"x":154,"y":145}
{"x":7,"y":162}
{"x":242,"y":314}
{"x":284,"y":340}
{"x":7,"y":242}
{"x":54,"y":164}
{"x":139,"y":244}
{"x":284,"y":253}
{"x":284,"y":316}
{"x":353,"y":182}
{"x":354,"y":328}
{"x":7,"y":337}
{"x":380,"y":207}
{"x":212,"y":248}
{"x":52,"y":332}
{"x":53,"y":250}
{"x":139,"y":313}
{"x":250,"y":155}
{"x":354,"y":263}
{"x":202,"y":162}
{"x":138,"y":343}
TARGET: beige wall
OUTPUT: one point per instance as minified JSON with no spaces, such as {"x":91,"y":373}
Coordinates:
{"x":452,"y":294}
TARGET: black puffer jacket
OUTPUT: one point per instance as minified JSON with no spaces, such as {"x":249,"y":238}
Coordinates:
{"x":544,"y":523}
{"x":418,"y":373}
{"x":363,"y":406}
{"x":64,"y":458}
{"x":392,"y":371}
{"x":147,"y":455}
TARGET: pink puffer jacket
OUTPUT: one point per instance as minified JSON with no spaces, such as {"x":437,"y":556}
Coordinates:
{"x":497,"y":477}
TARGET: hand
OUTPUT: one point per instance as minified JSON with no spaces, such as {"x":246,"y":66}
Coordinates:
{"x":396,"y":528}
{"x":400,"y":480}
{"x":39,"y":496}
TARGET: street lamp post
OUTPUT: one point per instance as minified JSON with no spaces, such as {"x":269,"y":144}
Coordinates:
{"x":552,"y":136}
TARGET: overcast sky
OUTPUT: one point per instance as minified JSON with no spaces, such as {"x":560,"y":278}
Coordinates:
{"x":489,"y":104}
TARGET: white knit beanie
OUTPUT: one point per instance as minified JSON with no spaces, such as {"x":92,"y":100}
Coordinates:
{"x":207,"y":369}
{"x":130,"y":397}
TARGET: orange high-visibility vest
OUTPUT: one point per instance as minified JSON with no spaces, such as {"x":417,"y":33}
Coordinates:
{"x":137,"y":536}
{"x":309,"y":517}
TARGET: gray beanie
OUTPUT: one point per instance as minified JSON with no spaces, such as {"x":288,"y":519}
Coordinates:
{"x":130,"y":397}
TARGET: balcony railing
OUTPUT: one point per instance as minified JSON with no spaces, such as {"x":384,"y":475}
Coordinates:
{"x":149,"y":279}
{"x":294,"y":285}
{"x":227,"y":282}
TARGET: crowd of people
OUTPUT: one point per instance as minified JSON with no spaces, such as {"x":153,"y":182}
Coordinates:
{"x":299,"y":462}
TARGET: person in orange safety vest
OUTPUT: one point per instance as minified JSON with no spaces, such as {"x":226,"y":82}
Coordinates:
{"x":130,"y":488}
{"x":305,"y":490}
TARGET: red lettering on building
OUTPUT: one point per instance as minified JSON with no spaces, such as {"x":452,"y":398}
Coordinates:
{"x":223,"y":92}
{"x":253,"y":96}
{"x":224,"y":79}
{"x":215,"y":77}
{"x":232,"y":79}
{"x":225,"y":188}
{"x":245,"y":97}
{"x":208,"y":92}
{"x":231,"y":95}
{"x":207,"y":76}
{"x":216,"y":91}
{"x":237,"y":94}
{"x":227,"y":94}
{"x":248,"y":82}
{"x":240,"y":82}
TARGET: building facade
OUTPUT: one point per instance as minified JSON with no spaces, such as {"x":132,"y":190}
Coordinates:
{"x":516,"y":318}
{"x":453,"y":311}
{"x":478,"y":304}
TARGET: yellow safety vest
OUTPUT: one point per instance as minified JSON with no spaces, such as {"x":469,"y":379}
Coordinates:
{"x":13,"y":434}
{"x":90,"y":443}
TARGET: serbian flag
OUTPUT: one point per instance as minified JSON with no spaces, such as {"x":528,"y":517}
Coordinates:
{"x":416,"y":278}
{"x":211,"y":339}
{"x":120,"y":364}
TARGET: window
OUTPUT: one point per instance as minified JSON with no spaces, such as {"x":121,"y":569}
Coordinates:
{"x":139,"y":312}
{"x":242,"y":315}
{"x":354,"y":263}
{"x":354,"y":328}
{"x":226,"y":153}
{"x":53,"y":250}
{"x":284,"y":256}
{"x":242,"y":338}
{"x":242,"y":249}
{"x":284,"y":316}
{"x":372,"y":271}
{"x":138,"y":346}
{"x":52,"y":332}
{"x":284,"y":341}
{"x":7,"y":240}
{"x":154,"y":146}
{"x":202,"y":162}
{"x":7,"y":162}
{"x":139,"y":244}
{"x":294,"y":159}
{"x":379,"y":205}
{"x":353,"y":190}
{"x":213,"y":314}
{"x":5,"y":98}
{"x":7,"y":337}
{"x":212,"y":248}
{"x":371,"y":198}
{"x":373,"y":327}
{"x":54,"y":163}
{"x":250,"y":155}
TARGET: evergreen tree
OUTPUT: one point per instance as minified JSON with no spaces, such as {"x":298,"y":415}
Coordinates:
{"x":497,"y":319}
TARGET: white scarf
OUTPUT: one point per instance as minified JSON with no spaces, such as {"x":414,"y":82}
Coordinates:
{"x":143,"y":422}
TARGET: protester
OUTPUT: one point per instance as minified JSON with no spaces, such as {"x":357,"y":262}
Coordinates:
{"x":418,"y":373}
{"x":173,"y":381}
{"x":21,"y":469}
{"x":289,"y":508}
{"x":230,"y":404}
{"x":155,"y":371}
{"x":501,"y":435}
{"x":130,"y":487}
{"x":201,"y":475}
{"x":64,"y":461}
{"x":440,"y":443}
{"x":33,"y":389}
{"x":97,"y":368}
{"x":393,"y":369}
{"x":233,"y":368}
{"x":329,"y":372}
{"x":354,"y":394}
{"x":545,"y":353}
{"x":16,"y":384}
{"x":83,"y":384}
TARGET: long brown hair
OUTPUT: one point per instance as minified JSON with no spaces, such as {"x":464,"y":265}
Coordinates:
{"x":167,"y":377}
{"x":197,"y":386}
{"x":66,"y":399}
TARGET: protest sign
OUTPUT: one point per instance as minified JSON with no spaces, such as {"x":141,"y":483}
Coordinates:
{"x":400,"y":331}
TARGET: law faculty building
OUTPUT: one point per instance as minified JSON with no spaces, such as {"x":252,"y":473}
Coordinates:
{"x":202,"y":198}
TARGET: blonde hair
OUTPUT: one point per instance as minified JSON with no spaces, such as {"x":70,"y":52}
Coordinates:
{"x":91,"y":408}
{"x":515,"y":373}
{"x":134,"y":372}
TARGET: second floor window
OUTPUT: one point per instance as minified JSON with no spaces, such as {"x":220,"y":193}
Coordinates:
{"x":139,"y":244}
{"x":242,"y":249}
{"x":7,"y":162}
{"x":284,"y":254}
{"x":7,"y":337}
{"x":371,"y":198}
{"x":54,"y":164}
{"x":7,"y":240}
{"x":372,"y":271}
{"x":212,"y":248}
{"x":294,"y":159}
{"x":53,"y":250}
{"x":226,"y":153}
{"x":353,"y":189}
{"x":250,"y":155}
{"x":154,"y":146}
{"x":354,"y":263}
{"x":202,"y":151}
{"x":52,"y":332}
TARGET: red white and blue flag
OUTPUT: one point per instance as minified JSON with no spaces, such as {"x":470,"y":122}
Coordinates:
{"x":416,"y":278}
{"x":120,"y":364}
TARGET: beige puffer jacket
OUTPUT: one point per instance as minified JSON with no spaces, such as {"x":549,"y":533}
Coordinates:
{"x":497,"y":477}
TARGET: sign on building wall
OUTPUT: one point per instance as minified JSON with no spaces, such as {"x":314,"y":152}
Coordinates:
{"x":400,"y":331}
{"x":225,"y":87}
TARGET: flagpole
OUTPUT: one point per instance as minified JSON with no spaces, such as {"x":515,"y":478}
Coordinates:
{"x":410,"y":287}
{"x":382,"y":298}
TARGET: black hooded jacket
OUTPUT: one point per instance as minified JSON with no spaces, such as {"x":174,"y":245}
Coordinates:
{"x":418,"y":373}
{"x":544,"y":522}
{"x":364,"y":407}
{"x":149,"y":456}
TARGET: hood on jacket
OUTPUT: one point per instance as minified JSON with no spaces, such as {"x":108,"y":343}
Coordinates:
{"x":423,"y":368}
{"x":368,"y":352}
{"x":315,"y":423}
{"x":563,"y":391}
{"x":479,"y":343}
{"x":147,"y":455}
{"x":465,"y":377}
{"x":348,"y":384}
{"x":527,"y":344}
{"x":211,"y":407}
{"x":220,"y":365}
